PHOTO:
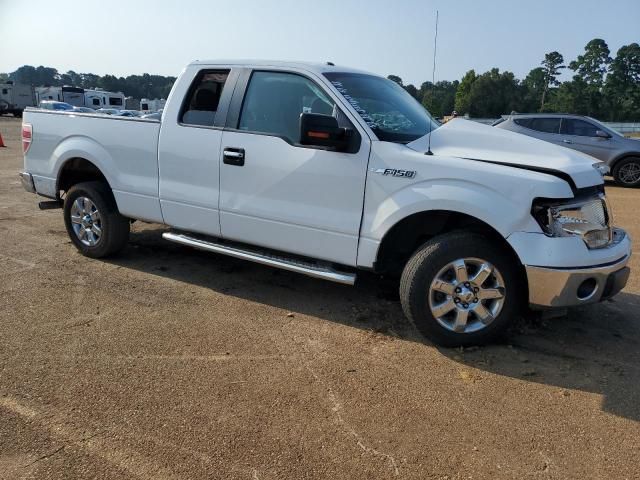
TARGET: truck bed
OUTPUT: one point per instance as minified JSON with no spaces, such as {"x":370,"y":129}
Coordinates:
{"x":125,"y":149}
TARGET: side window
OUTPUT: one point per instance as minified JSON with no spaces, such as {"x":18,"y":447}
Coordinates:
{"x":578,"y":127}
{"x":5,"y":91}
{"x":115,"y":101}
{"x":96,"y":101}
{"x":274,"y":101}
{"x":203,"y":98}
{"x":545,"y":125}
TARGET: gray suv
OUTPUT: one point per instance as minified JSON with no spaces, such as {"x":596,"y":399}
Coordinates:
{"x":586,"y":135}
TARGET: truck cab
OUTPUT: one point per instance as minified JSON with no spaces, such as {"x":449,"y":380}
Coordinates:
{"x":328,"y":171}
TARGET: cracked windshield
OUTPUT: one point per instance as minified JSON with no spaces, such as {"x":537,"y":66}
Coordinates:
{"x":392,"y":114}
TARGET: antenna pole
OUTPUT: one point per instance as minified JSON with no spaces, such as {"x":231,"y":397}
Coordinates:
{"x":433,"y":80}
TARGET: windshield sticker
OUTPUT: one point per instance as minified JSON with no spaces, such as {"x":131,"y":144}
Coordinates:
{"x":356,"y":106}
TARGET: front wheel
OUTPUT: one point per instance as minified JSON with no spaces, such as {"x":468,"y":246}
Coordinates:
{"x":626,"y":173}
{"x":460,"y":289}
{"x":93,"y":222}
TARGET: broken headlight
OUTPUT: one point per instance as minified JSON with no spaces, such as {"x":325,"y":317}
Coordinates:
{"x":589,"y":219}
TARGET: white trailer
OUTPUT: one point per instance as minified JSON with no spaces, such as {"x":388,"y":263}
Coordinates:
{"x":48,"y":93}
{"x":14,"y":98}
{"x":147,"y":105}
{"x":68,"y":94}
{"x":73,"y":95}
{"x":101,"y":99}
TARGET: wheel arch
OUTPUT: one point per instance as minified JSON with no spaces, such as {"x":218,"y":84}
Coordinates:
{"x":408,"y":234}
{"x":623,"y":156}
{"x":83,"y":158}
{"x":75,"y":170}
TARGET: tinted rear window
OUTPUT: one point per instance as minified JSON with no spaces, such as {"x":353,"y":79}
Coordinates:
{"x":545,"y":125}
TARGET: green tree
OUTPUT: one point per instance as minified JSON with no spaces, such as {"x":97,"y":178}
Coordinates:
{"x":412,"y":90}
{"x":110,"y":83}
{"x":591,"y":68}
{"x":622,"y":88}
{"x":571,"y":97}
{"x":533,"y":88}
{"x":89,"y":80}
{"x":551,"y":66}
{"x":493,"y":94}
{"x":593,"y":65}
{"x":463,"y":94}
{"x":440,"y":98}
{"x":137,"y":86}
{"x":71,"y":78}
{"x":397,"y":79}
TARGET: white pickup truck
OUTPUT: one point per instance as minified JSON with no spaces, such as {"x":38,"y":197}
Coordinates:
{"x":326,"y":171}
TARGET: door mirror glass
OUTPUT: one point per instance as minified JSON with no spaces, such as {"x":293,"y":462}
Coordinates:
{"x":323,"y":131}
{"x":602,"y":134}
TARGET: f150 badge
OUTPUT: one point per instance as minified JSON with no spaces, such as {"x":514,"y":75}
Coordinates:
{"x":394,"y":172}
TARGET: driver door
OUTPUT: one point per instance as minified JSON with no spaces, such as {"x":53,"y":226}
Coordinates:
{"x":277,"y":193}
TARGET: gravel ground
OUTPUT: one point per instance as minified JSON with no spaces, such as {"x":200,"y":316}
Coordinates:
{"x":169,"y":363}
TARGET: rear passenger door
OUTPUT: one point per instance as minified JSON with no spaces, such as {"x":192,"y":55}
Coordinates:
{"x":189,"y":151}
{"x":277,"y":193}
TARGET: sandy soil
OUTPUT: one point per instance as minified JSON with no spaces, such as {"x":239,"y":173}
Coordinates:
{"x":168,"y":363}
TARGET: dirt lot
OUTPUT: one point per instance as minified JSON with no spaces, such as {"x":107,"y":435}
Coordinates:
{"x":169,"y":363}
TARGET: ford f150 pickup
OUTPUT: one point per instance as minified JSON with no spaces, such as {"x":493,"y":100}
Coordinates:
{"x":326,"y":171}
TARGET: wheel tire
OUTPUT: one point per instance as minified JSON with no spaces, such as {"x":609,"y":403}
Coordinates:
{"x":434,"y":256}
{"x":113,"y":226}
{"x":620,"y":172}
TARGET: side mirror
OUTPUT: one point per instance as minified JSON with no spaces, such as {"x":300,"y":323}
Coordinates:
{"x":602,"y":134}
{"x":323,"y":131}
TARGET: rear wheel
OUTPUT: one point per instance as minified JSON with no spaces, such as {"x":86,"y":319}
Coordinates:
{"x":93,"y":222}
{"x":626,"y":173}
{"x":459,"y":289}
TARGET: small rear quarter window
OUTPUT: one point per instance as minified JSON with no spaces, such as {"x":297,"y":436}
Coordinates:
{"x":523,"y":122}
{"x":203,"y":98}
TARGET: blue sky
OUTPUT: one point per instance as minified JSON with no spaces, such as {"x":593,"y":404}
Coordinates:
{"x":386,"y":37}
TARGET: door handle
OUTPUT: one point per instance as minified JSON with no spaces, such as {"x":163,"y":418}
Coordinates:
{"x":567,"y":141}
{"x":233,"y":156}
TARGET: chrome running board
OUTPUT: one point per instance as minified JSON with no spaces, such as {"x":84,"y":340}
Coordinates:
{"x":316,"y":270}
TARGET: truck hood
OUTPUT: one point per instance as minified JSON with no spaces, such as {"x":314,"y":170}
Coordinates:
{"x":475,"y":141}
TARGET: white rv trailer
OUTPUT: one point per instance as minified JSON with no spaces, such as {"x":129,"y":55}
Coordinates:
{"x":71,"y":95}
{"x":15,"y":97}
{"x":101,"y":99}
{"x":148,"y":106}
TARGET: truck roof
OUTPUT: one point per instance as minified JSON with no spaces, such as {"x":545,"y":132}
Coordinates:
{"x":316,"y":67}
